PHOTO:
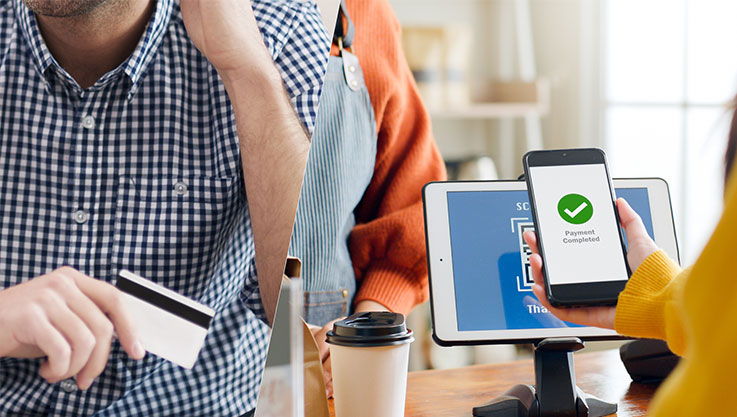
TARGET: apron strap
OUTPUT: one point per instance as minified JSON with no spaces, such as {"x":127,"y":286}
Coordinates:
{"x":339,"y":35}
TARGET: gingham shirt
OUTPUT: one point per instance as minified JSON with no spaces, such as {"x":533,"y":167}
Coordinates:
{"x":141,"y":171}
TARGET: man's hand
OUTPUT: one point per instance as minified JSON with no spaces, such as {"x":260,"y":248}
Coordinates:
{"x":640,"y":246}
{"x":69,"y":318}
{"x":225,"y":31}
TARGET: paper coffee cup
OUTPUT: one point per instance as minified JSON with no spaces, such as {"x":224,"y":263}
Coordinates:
{"x":370,"y":355}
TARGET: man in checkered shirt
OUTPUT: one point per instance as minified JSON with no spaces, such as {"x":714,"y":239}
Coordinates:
{"x":130,"y":131}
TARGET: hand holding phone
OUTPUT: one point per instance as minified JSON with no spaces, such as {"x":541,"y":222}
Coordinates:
{"x":577,"y":224}
{"x":640,"y":246}
{"x":596,"y":316}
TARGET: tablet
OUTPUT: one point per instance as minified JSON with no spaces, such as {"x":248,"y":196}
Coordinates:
{"x":480,"y":282}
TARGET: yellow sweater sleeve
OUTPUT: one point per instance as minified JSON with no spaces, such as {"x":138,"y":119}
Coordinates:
{"x":649,"y":306}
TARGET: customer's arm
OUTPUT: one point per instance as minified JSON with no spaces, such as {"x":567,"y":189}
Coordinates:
{"x":387,"y":245}
{"x":273,"y":140}
{"x":650,"y":306}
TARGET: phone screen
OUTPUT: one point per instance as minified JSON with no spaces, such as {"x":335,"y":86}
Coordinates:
{"x":578,"y":225}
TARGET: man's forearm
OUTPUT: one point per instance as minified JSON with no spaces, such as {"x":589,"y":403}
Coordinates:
{"x":274,"y":145}
{"x":274,"y":150}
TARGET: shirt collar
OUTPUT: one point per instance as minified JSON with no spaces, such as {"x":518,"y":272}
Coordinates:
{"x":140,"y":60}
{"x":134,"y":67}
{"x":42,"y":58}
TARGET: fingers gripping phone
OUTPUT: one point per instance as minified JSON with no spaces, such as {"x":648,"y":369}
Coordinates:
{"x":577,"y":225}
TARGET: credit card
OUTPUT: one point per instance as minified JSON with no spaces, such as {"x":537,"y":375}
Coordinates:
{"x":169,"y":324}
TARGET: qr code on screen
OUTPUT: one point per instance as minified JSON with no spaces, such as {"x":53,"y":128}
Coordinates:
{"x":524,"y":283}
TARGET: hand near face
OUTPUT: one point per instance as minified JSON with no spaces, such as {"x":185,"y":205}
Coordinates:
{"x":225,"y":31}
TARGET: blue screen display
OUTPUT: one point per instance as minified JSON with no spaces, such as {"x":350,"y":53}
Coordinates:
{"x":491,"y":260}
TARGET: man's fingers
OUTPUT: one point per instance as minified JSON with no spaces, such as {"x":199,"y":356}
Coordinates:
{"x":97,"y":322}
{"x":124,"y":326}
{"x":54,"y":345}
{"x":96,"y":363}
{"x":102,"y":329}
{"x":109,"y":299}
{"x":75,"y":331}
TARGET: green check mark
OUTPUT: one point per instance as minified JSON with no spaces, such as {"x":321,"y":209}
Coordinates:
{"x":575,"y":209}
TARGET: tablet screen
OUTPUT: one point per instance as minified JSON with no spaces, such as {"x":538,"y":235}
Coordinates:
{"x":492,"y":280}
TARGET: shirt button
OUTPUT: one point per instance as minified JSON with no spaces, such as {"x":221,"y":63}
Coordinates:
{"x":88,"y":122}
{"x":68,"y":385}
{"x":81,"y":216}
{"x":352,"y":68}
{"x":180,"y":188}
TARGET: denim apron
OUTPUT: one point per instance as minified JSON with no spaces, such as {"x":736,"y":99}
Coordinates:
{"x":339,"y":169}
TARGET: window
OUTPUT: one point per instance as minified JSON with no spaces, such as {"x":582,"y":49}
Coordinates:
{"x":669,"y":70}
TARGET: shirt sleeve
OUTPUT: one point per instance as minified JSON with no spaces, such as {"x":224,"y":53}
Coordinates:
{"x":650,"y":305}
{"x":388,"y":243}
{"x":302,"y":61}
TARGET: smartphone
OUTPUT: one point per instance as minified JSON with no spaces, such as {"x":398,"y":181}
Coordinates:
{"x":577,"y":225}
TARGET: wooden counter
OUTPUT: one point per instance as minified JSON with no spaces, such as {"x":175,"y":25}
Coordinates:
{"x":454,"y":392}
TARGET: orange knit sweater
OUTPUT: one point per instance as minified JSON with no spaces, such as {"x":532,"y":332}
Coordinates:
{"x":388,"y":243}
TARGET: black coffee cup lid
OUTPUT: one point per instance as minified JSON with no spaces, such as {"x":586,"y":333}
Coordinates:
{"x":370,"y":329}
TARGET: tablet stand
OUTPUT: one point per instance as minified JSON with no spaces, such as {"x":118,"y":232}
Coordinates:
{"x":555,"y":393}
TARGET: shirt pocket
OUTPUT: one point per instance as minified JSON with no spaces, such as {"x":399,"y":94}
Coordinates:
{"x":172,"y":229}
